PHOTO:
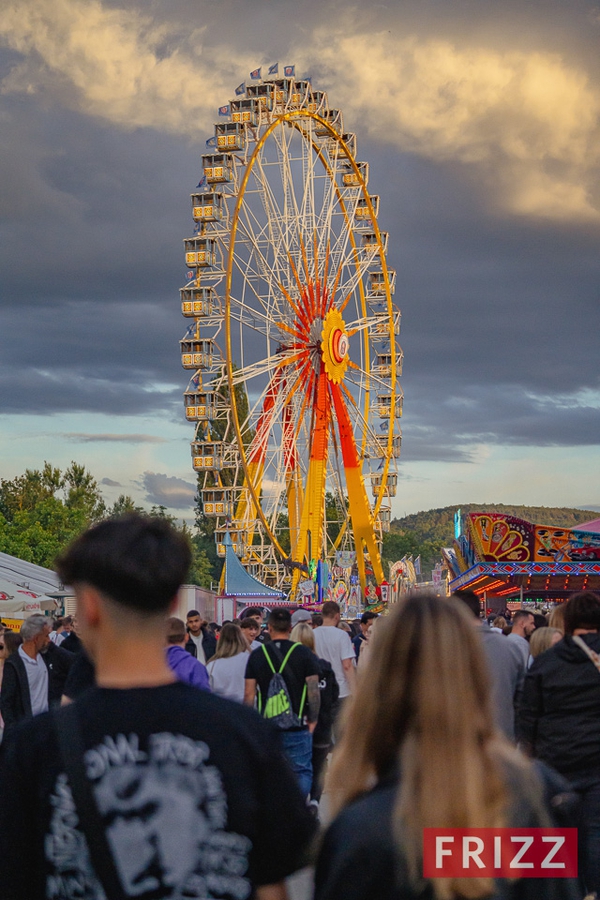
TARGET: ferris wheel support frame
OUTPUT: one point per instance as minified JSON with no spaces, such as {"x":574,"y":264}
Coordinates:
{"x":361,"y":514}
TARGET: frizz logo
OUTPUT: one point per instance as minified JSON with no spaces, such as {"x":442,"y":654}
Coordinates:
{"x":500,"y":853}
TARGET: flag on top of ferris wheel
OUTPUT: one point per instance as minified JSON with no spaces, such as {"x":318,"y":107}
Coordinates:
{"x":224,"y":110}
{"x":240,"y":89}
{"x":289,"y":71}
{"x":274,"y":69}
{"x":255,"y":74}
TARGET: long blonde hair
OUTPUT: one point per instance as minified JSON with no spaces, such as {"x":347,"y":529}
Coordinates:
{"x":231,"y":642}
{"x":542,"y":639}
{"x":423,"y":705}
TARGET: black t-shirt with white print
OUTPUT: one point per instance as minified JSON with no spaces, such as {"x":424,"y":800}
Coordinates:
{"x":301,"y":664}
{"x":197,"y":800}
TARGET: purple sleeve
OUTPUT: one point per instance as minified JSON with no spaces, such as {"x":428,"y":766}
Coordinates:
{"x":200,"y":677}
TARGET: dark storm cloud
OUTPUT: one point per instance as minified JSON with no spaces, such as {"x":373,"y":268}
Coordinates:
{"x":100,"y":357}
{"x":448,"y":428}
{"x":165,"y":490}
{"x":88,"y":211}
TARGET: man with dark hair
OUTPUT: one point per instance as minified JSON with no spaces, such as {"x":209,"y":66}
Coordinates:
{"x":505,"y":665}
{"x":558,"y":719}
{"x":254,"y":612}
{"x":366,"y":622}
{"x":297,"y":709}
{"x":250,"y":630}
{"x":201,"y":641}
{"x":523,"y":626}
{"x":471,"y":600}
{"x":72,"y":641}
{"x":58,"y":634}
{"x":144,"y":787}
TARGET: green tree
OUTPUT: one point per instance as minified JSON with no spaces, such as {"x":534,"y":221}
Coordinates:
{"x":125,"y":504}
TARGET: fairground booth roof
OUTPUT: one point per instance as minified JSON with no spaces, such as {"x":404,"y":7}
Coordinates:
{"x":244,"y":587}
{"x":502,"y":556}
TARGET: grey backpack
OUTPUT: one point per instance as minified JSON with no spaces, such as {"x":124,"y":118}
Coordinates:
{"x":277,"y":706}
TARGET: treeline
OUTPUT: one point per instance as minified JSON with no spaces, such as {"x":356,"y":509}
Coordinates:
{"x":425,"y":533}
{"x":43,"y":510}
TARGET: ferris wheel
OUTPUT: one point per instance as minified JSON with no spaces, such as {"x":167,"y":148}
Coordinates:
{"x":293,"y":338}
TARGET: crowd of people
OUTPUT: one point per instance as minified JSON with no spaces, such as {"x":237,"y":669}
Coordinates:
{"x":147,"y":756}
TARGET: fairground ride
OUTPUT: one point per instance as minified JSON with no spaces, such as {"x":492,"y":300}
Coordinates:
{"x":293,"y":338}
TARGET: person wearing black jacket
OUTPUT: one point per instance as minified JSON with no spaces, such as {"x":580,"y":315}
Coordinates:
{"x":558,"y":721}
{"x":15,"y":697}
{"x":200,"y":637}
{"x":72,"y":642}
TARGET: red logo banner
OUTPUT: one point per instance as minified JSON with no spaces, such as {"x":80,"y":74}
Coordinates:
{"x":500,"y":853}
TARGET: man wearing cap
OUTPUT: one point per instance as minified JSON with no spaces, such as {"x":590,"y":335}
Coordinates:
{"x":301,"y":615}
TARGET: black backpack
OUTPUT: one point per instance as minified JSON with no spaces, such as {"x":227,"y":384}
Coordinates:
{"x":278,"y":705}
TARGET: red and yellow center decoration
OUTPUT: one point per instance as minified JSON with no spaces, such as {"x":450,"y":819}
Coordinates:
{"x":335,"y":345}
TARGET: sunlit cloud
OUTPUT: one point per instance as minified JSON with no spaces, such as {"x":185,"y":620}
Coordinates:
{"x":116,"y":63}
{"x":530,"y":119}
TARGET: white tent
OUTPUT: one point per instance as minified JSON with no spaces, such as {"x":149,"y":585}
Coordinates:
{"x":24,"y":588}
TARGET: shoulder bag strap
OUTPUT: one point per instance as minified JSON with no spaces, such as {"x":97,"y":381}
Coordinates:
{"x":71,"y":747}
{"x":269,"y":660}
{"x":305,"y":688}
{"x":587,"y":650}
{"x":287,"y":656}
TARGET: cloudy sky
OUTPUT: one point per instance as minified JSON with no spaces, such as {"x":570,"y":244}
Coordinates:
{"x":480,"y":121}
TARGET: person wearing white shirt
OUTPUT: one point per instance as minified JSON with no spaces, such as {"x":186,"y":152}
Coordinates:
{"x":25,"y":682}
{"x":195,"y":635}
{"x":227,"y":668}
{"x":334,"y":645}
{"x":58,"y":633}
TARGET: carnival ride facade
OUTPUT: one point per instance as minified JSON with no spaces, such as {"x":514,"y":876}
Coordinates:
{"x":506,"y":557}
{"x":293,"y":338}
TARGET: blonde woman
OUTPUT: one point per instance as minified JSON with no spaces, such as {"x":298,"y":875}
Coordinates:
{"x":420,"y":750}
{"x":227,"y":668}
{"x":542,"y":639}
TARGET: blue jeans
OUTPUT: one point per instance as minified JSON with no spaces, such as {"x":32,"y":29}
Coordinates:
{"x":297,"y":747}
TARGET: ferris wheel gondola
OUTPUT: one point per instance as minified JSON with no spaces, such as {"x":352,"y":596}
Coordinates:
{"x":293,"y":339}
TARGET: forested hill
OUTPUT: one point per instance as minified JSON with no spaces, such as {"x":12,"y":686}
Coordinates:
{"x":425,"y":533}
{"x":438,"y":524}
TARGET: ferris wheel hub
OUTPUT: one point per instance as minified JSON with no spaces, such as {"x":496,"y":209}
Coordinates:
{"x":335,"y":346}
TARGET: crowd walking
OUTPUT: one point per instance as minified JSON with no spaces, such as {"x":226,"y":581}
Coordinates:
{"x":149,"y":757}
